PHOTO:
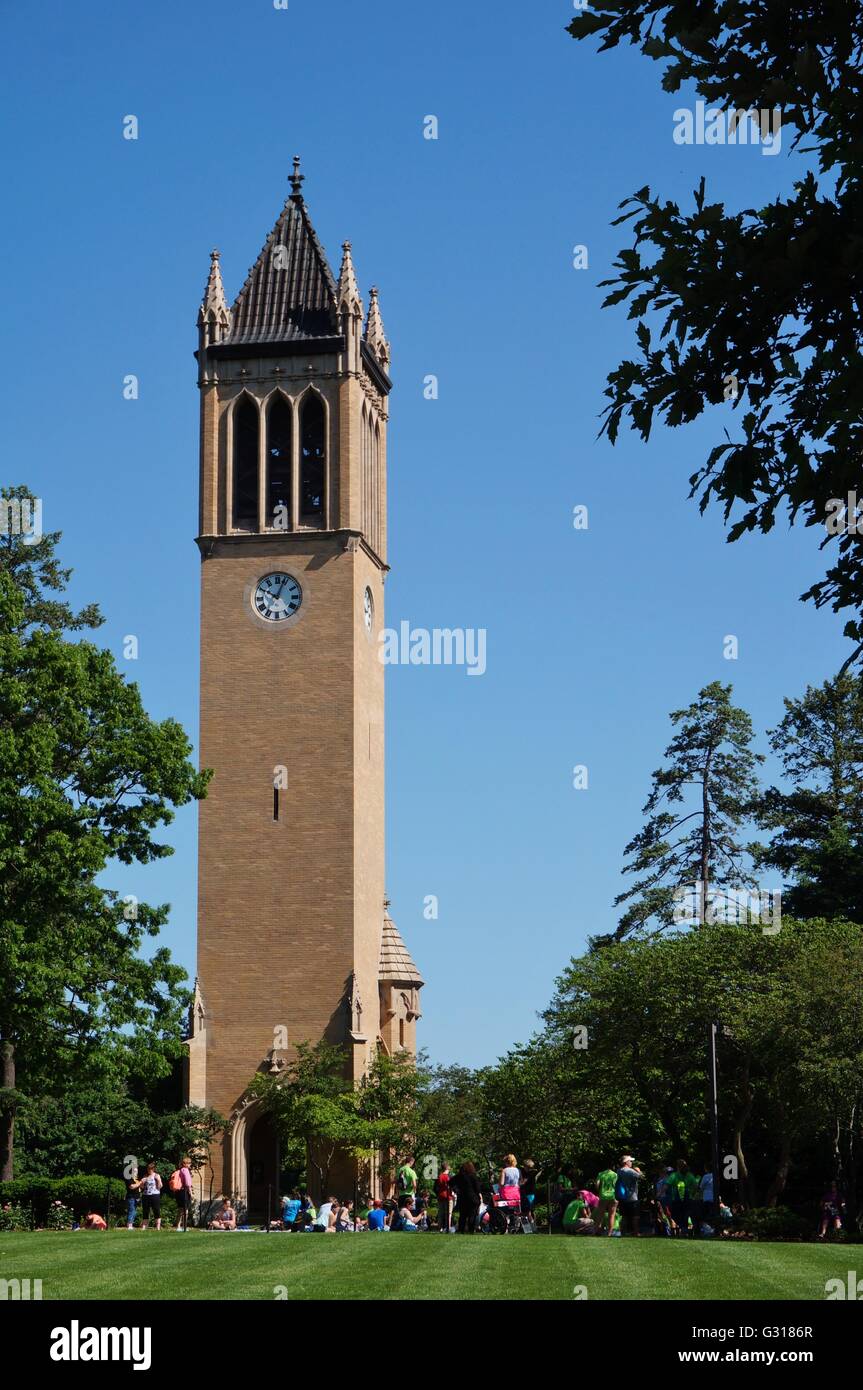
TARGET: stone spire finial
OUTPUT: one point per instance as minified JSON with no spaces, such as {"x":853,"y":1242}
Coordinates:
{"x":214,"y":316}
{"x":296,"y":180}
{"x":349,"y":299}
{"x":375,"y":336}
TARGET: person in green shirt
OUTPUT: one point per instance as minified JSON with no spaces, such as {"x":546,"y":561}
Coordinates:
{"x":406,"y":1180}
{"x":577,"y":1219}
{"x":681,"y":1187}
{"x":607,"y":1209}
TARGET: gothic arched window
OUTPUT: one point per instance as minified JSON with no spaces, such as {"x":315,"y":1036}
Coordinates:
{"x":376,"y":490}
{"x":312,"y":461}
{"x":246,"y":428}
{"x":280,"y":425}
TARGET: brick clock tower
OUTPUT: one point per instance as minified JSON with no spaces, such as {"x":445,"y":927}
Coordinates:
{"x":294,"y":939}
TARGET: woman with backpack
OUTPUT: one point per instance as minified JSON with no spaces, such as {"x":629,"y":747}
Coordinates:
{"x":180,"y":1188}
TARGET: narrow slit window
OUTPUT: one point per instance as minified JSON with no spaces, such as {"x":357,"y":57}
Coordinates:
{"x":275,"y":803}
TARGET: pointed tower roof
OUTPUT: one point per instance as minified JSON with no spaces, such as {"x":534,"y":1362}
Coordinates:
{"x":375,"y":337}
{"x":290,"y":294}
{"x":349,"y":298}
{"x":214,"y":306}
{"x":396,"y":966}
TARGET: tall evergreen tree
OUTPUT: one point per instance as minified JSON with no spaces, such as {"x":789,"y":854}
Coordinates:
{"x":817,"y":840}
{"x":710,"y":767}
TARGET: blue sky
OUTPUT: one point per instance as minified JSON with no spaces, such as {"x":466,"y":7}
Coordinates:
{"x":593,"y":636}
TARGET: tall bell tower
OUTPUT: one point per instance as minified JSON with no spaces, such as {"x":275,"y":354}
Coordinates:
{"x":294,"y":939}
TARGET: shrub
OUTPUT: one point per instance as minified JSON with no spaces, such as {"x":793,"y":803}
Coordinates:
{"x":81,"y":1192}
{"x":59,"y":1217}
{"x":15,"y":1217}
{"x":29,"y":1192}
{"x":774,"y":1223}
{"x":85,"y":1193}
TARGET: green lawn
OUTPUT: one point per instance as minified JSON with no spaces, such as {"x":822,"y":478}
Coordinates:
{"x":204,"y":1265}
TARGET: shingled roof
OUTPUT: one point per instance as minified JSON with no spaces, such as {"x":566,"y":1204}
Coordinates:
{"x":396,"y":965}
{"x":290,"y":293}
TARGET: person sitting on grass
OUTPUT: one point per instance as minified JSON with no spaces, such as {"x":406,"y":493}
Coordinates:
{"x":93,"y":1222}
{"x":407,"y":1217}
{"x":290,"y":1209}
{"x":325,"y":1221}
{"x":378,"y":1218}
{"x":345,"y":1219}
{"x":225,"y":1218}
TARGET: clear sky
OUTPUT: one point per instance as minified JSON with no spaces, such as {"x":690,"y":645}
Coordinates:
{"x":593,"y":636}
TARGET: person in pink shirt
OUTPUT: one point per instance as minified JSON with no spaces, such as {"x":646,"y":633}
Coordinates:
{"x":183,"y":1194}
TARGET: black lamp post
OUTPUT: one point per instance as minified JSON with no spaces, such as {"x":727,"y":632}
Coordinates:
{"x":713,"y":1109}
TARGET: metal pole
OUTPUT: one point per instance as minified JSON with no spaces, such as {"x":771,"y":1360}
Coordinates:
{"x":713,"y":1103}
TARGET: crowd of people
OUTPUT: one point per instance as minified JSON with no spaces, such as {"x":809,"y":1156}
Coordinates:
{"x":679,"y":1201}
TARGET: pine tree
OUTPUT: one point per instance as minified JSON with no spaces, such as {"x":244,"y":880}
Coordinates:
{"x":710,"y":766}
{"x":818,"y":826}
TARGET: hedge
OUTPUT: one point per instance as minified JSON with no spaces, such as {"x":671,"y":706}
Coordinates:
{"x":82,"y":1192}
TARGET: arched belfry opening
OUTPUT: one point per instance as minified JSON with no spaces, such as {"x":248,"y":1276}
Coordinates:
{"x":313,"y":458}
{"x":280,"y":432}
{"x":246,"y":470}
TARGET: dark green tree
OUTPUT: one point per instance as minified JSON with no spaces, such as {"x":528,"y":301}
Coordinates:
{"x":770,"y":298}
{"x":711,"y":768}
{"x":817,"y":826}
{"x":86,"y":777}
{"x":791,"y":1048}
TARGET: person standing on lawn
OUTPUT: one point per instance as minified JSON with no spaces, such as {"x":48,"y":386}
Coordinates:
{"x":626,"y":1192}
{"x":133,"y":1188}
{"x":832,"y":1206}
{"x":467,"y":1189}
{"x":443,"y":1192}
{"x":607,"y":1209}
{"x":406,"y":1180}
{"x":180,"y":1186}
{"x":682,"y":1186}
{"x":528,"y":1187}
{"x":151,"y":1199}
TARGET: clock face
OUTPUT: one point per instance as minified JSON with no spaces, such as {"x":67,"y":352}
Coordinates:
{"x":368,"y":610}
{"x":277,"y":597}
